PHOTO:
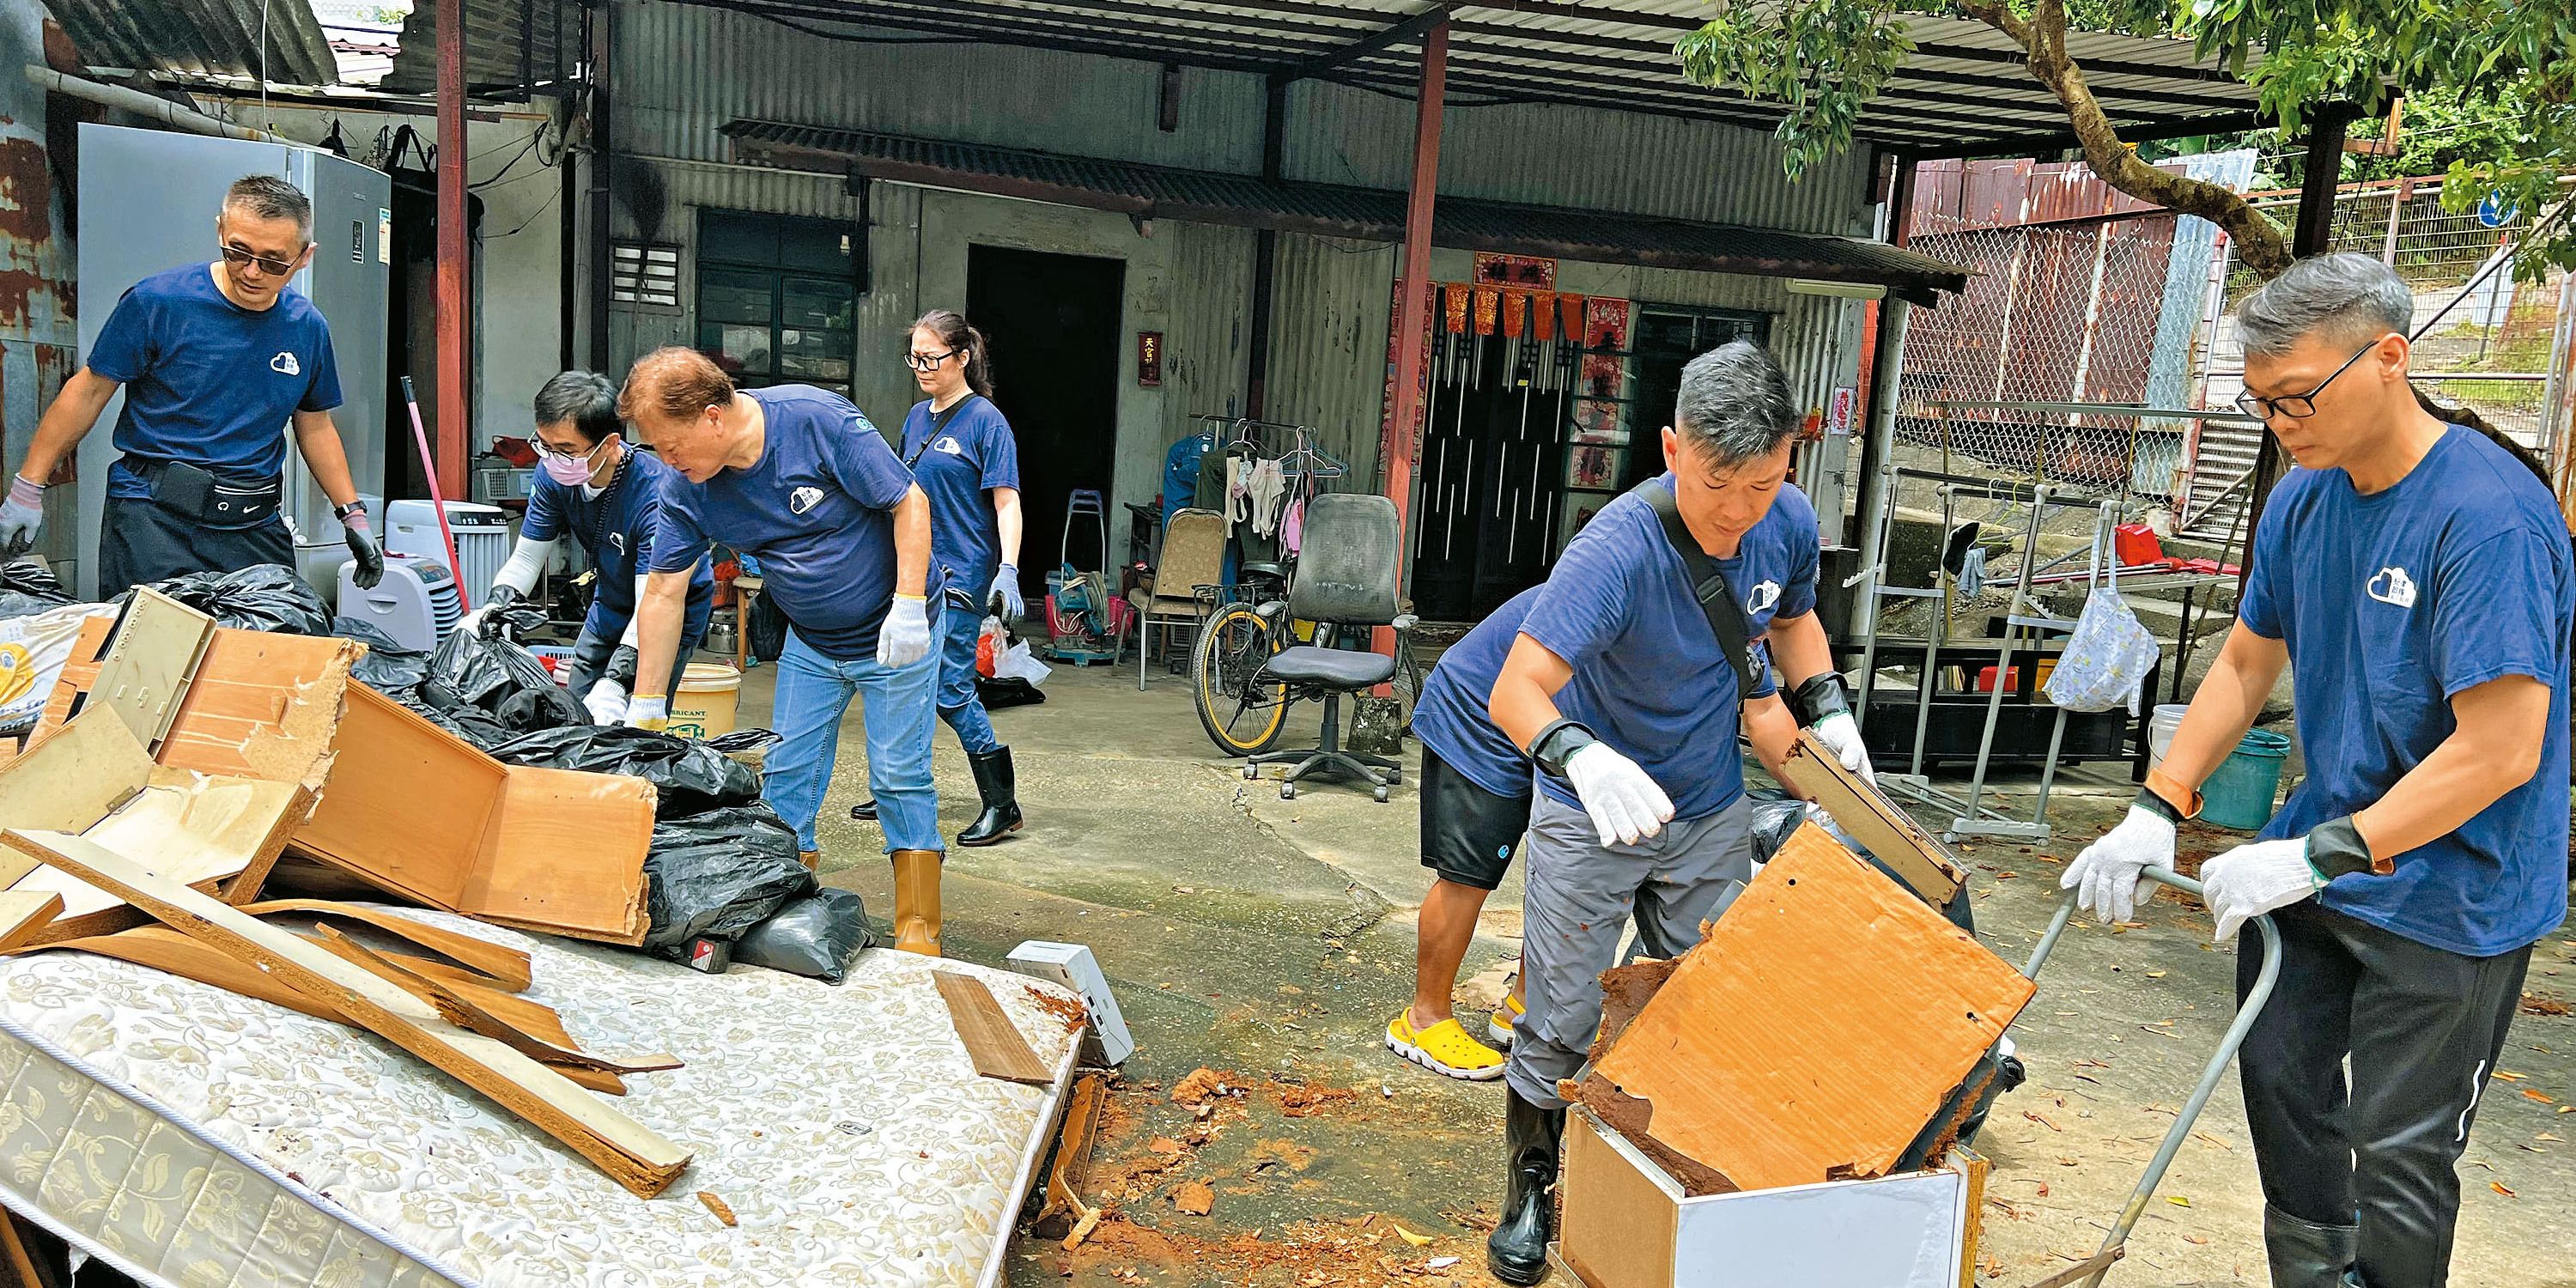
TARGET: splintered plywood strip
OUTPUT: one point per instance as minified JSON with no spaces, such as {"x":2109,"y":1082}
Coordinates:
{"x":24,"y":913}
{"x":166,"y":950}
{"x":992,"y":1041}
{"x":1866,"y":816}
{"x":505,"y":966}
{"x":456,"y":1009}
{"x":633,"y":1155}
{"x":1818,"y":1028}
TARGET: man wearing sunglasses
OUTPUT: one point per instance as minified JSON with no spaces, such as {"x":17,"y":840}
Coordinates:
{"x":2416,"y":579}
{"x":214,"y":360}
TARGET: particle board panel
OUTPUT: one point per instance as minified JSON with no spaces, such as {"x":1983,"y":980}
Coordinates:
{"x":24,"y":913}
{"x":71,"y":776}
{"x":1817,"y":1028}
{"x":261,"y":705}
{"x":565,"y":855}
{"x":1870,"y":818}
{"x":408,"y":805}
{"x":633,"y":1155}
{"x":996,"y":1045}
{"x":1619,"y":1220}
{"x":150,"y":656}
{"x":453,"y":1006}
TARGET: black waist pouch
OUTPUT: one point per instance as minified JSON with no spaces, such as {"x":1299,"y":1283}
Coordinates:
{"x":201,"y":497}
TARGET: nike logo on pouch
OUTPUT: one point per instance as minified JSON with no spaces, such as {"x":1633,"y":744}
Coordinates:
{"x":803,"y":499}
{"x":284,"y":364}
{"x":1762,"y":598}
{"x":2393,"y":586}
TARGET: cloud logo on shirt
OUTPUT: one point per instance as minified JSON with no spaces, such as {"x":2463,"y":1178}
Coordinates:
{"x":803,"y":499}
{"x":1762,"y":598}
{"x":2393,"y":586}
{"x":948,"y":443}
{"x":285,"y":364}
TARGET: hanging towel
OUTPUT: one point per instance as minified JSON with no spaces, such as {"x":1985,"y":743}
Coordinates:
{"x":1292,"y":529}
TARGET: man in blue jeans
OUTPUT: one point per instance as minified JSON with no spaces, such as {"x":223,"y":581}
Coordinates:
{"x":797,"y":478}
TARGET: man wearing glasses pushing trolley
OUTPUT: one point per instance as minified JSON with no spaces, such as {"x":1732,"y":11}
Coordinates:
{"x":214,"y":359}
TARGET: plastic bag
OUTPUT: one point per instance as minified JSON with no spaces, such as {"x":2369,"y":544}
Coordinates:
{"x":1018,"y":663}
{"x":1013,"y":692}
{"x":768,"y":629}
{"x":742,"y":741}
{"x":33,"y":650}
{"x":502,"y":680}
{"x":688,"y":777}
{"x":2109,"y":655}
{"x":815,"y":936}
{"x":262,"y":597}
{"x":1774,"y":819}
{"x":28,"y":588}
{"x":388,"y":667}
{"x":718,"y":874}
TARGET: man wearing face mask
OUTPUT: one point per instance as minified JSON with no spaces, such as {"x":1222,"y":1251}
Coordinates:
{"x":596,"y":487}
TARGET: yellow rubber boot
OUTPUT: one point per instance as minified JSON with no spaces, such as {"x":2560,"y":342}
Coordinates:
{"x":916,"y":901}
{"x":812,"y":859}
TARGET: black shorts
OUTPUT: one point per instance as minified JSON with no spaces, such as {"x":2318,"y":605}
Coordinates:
{"x":1468,"y":833}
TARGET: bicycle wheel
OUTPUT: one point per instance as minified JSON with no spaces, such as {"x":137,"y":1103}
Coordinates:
{"x":1241,"y":713}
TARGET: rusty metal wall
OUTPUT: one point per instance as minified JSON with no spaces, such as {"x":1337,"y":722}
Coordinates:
{"x":1208,"y":351}
{"x":38,"y":331}
{"x":685,"y":70}
{"x":1577,"y":156}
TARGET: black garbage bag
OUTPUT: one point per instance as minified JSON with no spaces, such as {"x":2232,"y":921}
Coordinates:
{"x":816,"y":936}
{"x":388,"y":667}
{"x":768,"y":629}
{"x":689,"y":777}
{"x":501,"y":680}
{"x":718,"y":874}
{"x":742,"y":741}
{"x":262,"y":597}
{"x":997,"y":692}
{"x":28,"y":588}
{"x":465,"y":722}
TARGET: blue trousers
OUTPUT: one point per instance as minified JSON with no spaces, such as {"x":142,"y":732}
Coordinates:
{"x":960,"y":630}
{"x":813,"y":693}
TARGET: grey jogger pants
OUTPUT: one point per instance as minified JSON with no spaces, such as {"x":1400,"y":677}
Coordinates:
{"x":1580,"y":897}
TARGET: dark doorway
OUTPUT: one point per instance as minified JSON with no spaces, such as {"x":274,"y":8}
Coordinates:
{"x":411,"y":337}
{"x":1053,"y":324}
{"x":1667,"y":338}
{"x":1492,"y":466}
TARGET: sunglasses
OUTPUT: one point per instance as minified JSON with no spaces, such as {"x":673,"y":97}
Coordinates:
{"x":2298,"y":406}
{"x":928,"y":361}
{"x":239,"y":258}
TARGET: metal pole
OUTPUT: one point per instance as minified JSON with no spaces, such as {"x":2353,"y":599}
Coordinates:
{"x":142,"y":104}
{"x":602,"y":38}
{"x":455,"y":304}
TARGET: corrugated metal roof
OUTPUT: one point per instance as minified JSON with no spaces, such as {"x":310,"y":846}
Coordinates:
{"x":200,"y":37}
{"x":1333,"y":210}
{"x":493,"y":34}
{"x":1965,"y":90}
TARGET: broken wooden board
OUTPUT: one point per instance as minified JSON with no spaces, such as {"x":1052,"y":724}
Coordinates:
{"x":25,"y":913}
{"x":502,"y":966}
{"x":151,"y":656}
{"x":1817,"y":1029}
{"x":1887,"y":832}
{"x":406,"y":806}
{"x":1073,"y":1149}
{"x":996,"y":1045}
{"x":457,"y":1009}
{"x":633,"y":1155}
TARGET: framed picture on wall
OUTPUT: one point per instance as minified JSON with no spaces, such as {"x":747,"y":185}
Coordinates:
{"x":1599,"y":422}
{"x":1594,"y":468}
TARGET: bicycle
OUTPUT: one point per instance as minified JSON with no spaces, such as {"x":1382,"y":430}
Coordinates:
{"x":1241,"y":709}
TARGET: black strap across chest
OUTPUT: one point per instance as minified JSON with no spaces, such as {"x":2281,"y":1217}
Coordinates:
{"x":1725,"y":613}
{"x":939,"y":421}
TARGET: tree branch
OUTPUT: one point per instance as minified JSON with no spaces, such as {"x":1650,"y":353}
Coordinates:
{"x":2260,"y":245}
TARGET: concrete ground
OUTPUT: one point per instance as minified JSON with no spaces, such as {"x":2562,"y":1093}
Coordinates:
{"x":1269,"y":941}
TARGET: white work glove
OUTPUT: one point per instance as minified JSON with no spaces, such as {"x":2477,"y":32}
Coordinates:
{"x":652,"y":713}
{"x":2109,"y":869}
{"x":606,"y":703}
{"x":20,"y":516}
{"x":1841,"y":733}
{"x":905,"y":637}
{"x":1626,"y":806}
{"x":1006,"y":587}
{"x":2254,"y":879}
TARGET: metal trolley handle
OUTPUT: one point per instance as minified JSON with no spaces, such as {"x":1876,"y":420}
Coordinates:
{"x":2115,"y":1243}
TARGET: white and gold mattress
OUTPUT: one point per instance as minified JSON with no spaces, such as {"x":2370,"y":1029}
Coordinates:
{"x":190,"y":1136}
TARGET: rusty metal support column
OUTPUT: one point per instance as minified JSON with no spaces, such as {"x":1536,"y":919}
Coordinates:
{"x":1265,"y":252}
{"x":1878,"y":431}
{"x":2311,"y":233}
{"x":1413,"y":313}
{"x":455,"y":305}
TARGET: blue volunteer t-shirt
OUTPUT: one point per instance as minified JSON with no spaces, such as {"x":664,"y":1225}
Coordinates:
{"x":1451,"y":717}
{"x":616,"y":529}
{"x":1649,"y":677}
{"x":209,"y":382}
{"x":2391,"y":604}
{"x":956,"y":458}
{"x":816,"y":511}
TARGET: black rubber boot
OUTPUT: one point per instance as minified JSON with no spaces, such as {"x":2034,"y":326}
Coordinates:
{"x":865,"y":811}
{"x":998,"y":786}
{"x":2307,"y":1255}
{"x":1517,"y":1249}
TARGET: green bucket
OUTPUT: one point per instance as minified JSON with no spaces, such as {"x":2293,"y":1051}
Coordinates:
{"x":2239,"y":794}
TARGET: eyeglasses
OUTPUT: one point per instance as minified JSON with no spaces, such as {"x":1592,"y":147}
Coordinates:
{"x":927,"y":361}
{"x":545,"y":450}
{"x":239,"y":258}
{"x":2298,"y":406}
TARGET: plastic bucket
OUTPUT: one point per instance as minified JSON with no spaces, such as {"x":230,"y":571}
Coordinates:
{"x":703,"y":704}
{"x":2161,"y":724}
{"x":2240,"y":793}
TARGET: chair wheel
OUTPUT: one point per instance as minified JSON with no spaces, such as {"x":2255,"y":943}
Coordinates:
{"x":1287,"y":791}
{"x":1380,"y":794}
{"x":1251,"y":773}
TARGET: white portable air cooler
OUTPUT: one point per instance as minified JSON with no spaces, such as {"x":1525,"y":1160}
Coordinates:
{"x":415,"y":605}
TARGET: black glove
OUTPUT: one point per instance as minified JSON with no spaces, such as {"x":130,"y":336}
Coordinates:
{"x":362,"y":545}
{"x":621,"y":667}
{"x":1819,"y":697}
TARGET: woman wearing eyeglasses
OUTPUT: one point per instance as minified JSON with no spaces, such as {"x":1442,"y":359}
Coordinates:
{"x":962,"y":454}
{"x":595,"y":487}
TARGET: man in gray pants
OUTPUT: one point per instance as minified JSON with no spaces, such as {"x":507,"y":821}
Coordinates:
{"x":1621,"y":691}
